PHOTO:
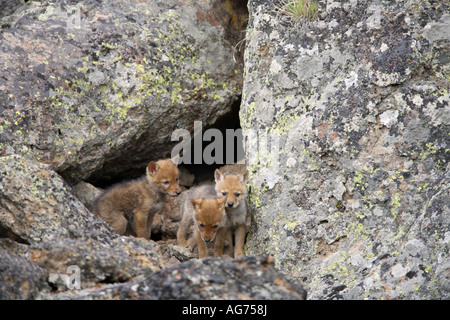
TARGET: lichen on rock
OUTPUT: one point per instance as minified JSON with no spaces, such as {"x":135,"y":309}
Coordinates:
{"x":104,"y":85}
{"x":357,"y":102}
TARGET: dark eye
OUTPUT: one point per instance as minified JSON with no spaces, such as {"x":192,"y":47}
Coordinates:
{"x":237,"y":194}
{"x":166,"y":182}
{"x":224,"y":193}
{"x":178,"y":179}
{"x":215,"y":226}
{"x":201,"y":225}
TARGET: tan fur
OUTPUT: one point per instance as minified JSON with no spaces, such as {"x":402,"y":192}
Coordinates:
{"x":205,"y":214}
{"x":232,"y":187}
{"x":131,"y":206}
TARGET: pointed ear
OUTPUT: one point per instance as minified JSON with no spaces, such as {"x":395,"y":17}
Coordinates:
{"x":196,"y":203}
{"x":221,"y":201}
{"x":218,"y":176}
{"x":242,"y":177}
{"x":176,"y":160}
{"x":152,"y":168}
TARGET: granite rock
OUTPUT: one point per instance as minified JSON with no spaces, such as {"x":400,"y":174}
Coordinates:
{"x":346,"y":120}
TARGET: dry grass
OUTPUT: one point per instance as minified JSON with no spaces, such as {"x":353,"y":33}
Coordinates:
{"x":297,"y":10}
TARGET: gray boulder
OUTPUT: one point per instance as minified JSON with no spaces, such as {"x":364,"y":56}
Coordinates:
{"x":103,"y":85}
{"x":208,"y":279}
{"x":36,"y":204}
{"x":346,"y":120}
{"x":7,"y":7}
{"x":20,"y":278}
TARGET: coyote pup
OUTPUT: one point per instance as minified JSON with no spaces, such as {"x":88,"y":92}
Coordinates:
{"x":232,"y":187}
{"x":132,"y":205}
{"x":206,"y":213}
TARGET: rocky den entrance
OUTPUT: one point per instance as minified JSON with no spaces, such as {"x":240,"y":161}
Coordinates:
{"x":91,"y":91}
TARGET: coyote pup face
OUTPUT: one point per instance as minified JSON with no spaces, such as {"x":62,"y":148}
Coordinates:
{"x":164,"y":175}
{"x":232,"y":187}
{"x":209,"y":216}
{"x":133,"y":204}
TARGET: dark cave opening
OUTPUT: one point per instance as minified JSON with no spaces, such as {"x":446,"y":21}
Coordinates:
{"x":229,"y":127}
{"x":203,"y":172}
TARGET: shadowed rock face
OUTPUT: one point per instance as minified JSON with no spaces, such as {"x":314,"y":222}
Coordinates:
{"x":95,"y":89}
{"x":51,"y":234}
{"x":212,"y":278}
{"x":355,"y":198}
{"x":19,"y":277}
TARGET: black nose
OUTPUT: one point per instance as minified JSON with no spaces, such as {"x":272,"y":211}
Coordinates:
{"x":207,"y":240}
{"x":178,"y":191}
{"x":230,"y":204}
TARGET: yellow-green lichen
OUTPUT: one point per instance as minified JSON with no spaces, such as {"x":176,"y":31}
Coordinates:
{"x":395,"y":204}
{"x":358,"y":181}
{"x":291,"y":226}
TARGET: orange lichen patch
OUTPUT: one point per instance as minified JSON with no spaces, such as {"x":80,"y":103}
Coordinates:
{"x":325,"y":132}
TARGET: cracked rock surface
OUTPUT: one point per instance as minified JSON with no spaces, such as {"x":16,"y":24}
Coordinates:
{"x":354,"y":199}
